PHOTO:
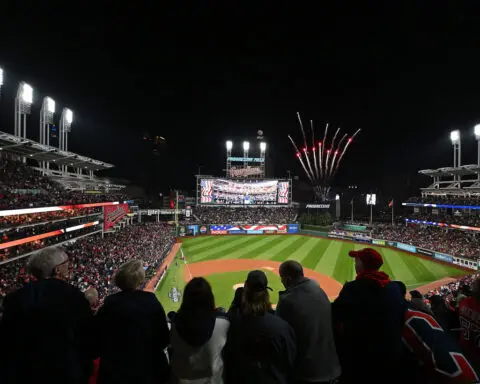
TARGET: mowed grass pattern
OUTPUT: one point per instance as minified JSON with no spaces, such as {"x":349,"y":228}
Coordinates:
{"x":326,"y":256}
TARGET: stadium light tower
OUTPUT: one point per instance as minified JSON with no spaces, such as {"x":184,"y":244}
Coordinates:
{"x":23,"y":104}
{"x":246,"y":147}
{"x":476,"y":130}
{"x":46,"y":119}
{"x":263,"y":148}
{"x":229,"y":146}
{"x":1,"y":82}
{"x":457,"y":150}
{"x":65,"y":128}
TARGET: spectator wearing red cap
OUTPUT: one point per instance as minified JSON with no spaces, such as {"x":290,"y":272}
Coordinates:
{"x":369,"y":316}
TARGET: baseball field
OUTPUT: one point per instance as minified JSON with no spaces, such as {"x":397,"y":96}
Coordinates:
{"x":225,"y":261}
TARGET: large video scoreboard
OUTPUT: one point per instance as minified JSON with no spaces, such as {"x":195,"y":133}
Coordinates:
{"x":213,"y":191}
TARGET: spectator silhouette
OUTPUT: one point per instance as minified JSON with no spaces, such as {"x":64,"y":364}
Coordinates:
{"x":131,"y":332}
{"x":305,"y":306}
{"x":198,"y":336}
{"x":236,"y":305}
{"x":45,"y":328}
{"x":369,"y":316}
{"x":469,"y":312}
{"x":445,"y":316}
{"x":261,"y":347}
{"x":418,"y":303}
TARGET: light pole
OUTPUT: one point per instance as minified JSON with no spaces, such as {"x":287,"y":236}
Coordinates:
{"x":246,"y":147}
{"x":337,"y":207}
{"x":66,"y":120}
{"x":457,"y":150}
{"x":263,"y":148}
{"x":371,"y":200}
{"x":229,"y":146}
{"x":476,"y":131}
{"x":23,"y":104}
{"x":1,"y":82}
{"x":46,"y":120}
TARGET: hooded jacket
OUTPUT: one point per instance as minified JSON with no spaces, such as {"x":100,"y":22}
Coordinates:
{"x":306,"y":307}
{"x":197,"y":345}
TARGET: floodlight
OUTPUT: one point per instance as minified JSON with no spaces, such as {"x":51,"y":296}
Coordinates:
{"x":476,"y":130}
{"x":229,"y":145}
{"x":27,"y":93}
{"x":1,"y":77}
{"x":337,"y":197}
{"x":69,"y":116}
{"x":455,"y":136}
{"x":246,"y":145}
{"x":50,"y":105}
{"x":263,"y":146}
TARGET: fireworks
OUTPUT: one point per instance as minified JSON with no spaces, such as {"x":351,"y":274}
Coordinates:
{"x":325,"y":161}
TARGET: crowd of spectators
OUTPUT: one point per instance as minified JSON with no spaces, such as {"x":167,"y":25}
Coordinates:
{"x":450,"y":241}
{"x":449,"y":200}
{"x":94,"y":259}
{"x":247,"y":215}
{"x":35,"y":218}
{"x":370,"y":333}
{"x":471,"y":220}
{"x":23,"y":187}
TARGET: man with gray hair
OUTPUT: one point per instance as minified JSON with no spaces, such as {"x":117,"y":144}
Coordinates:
{"x":306,"y":307}
{"x":44,"y":331}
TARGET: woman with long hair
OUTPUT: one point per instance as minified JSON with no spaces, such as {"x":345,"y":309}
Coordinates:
{"x":261,"y":347}
{"x":198,"y":336}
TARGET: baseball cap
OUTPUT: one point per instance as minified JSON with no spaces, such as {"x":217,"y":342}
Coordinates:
{"x":257,"y":281}
{"x":416,"y":294}
{"x":370,"y":258}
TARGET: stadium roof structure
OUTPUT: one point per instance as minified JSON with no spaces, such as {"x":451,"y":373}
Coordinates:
{"x":31,"y":149}
{"x":452,"y":182}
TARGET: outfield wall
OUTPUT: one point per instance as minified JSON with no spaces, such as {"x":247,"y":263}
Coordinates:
{"x":229,"y":229}
{"x":444,"y":258}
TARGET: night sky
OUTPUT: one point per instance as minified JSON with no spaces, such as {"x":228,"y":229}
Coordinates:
{"x":201,"y":75}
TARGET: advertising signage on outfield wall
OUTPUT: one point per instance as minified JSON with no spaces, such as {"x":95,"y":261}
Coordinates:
{"x":293,"y":228}
{"x":425,"y":252}
{"x":442,"y":257}
{"x":255,"y":232}
{"x":407,"y":247}
{"x":237,"y":232}
{"x":378,"y":242}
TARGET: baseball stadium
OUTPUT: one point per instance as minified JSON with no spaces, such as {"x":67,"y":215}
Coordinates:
{"x":225,"y":261}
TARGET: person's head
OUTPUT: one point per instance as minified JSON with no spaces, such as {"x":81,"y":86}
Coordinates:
{"x":416,"y":295}
{"x":130,"y":276}
{"x":197,"y":297}
{"x":49,"y":263}
{"x":402,"y":286}
{"x":256,"y":299}
{"x":366,"y":259}
{"x":437,"y":302}
{"x":91,"y":294}
{"x":237,"y":298}
{"x":291,"y":272}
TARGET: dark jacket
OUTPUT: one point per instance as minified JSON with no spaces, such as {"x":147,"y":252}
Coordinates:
{"x":369,"y":318}
{"x":131,"y":332}
{"x":260,"y":349}
{"x":44,"y":334}
{"x":306,"y":307}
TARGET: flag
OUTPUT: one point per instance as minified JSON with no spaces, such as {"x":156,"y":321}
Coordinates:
{"x":390,"y":204}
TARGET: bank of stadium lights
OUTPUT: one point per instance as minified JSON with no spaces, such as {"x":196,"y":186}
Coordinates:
{"x":457,"y":149}
{"x":229,"y":145}
{"x":263,"y":146}
{"x":476,"y":131}
{"x":50,"y":105}
{"x":23,"y":103}
{"x":246,"y":145}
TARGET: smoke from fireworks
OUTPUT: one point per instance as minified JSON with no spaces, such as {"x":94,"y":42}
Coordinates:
{"x":328,"y":158}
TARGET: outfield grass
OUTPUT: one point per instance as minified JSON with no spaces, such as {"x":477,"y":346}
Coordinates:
{"x":326,"y":256}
